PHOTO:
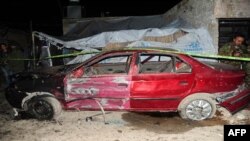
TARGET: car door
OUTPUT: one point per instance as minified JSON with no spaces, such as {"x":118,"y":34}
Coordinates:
{"x":103,"y":82}
{"x":160,"y":82}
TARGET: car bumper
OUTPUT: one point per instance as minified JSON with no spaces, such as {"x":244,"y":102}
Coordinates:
{"x":237,"y":102}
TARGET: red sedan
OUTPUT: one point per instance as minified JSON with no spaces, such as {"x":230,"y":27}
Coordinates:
{"x":132,"y":80}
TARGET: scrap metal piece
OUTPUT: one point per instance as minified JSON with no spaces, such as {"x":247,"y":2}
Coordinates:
{"x":90,"y":118}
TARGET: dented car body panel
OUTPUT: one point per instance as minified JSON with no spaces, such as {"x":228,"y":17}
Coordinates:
{"x":111,"y":90}
{"x":133,"y":80}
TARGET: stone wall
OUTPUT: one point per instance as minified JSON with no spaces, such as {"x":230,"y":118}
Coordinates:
{"x":198,"y":13}
{"x":232,"y":9}
{"x":205,"y":13}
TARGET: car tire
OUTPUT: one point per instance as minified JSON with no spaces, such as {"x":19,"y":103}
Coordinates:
{"x":44,"y":108}
{"x":197,"y":107}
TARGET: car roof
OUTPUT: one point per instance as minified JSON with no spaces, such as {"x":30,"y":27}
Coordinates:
{"x":135,"y":49}
{"x":147,"y":49}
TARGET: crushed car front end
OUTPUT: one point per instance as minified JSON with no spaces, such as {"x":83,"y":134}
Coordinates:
{"x":36,"y":83}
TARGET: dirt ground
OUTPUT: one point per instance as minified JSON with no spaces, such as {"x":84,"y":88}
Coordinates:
{"x":122,"y":126}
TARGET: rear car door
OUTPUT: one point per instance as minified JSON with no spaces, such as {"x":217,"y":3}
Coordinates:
{"x":104,"y":81}
{"x":160,"y":82}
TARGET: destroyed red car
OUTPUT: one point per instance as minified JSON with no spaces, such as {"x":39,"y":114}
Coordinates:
{"x":132,"y":80}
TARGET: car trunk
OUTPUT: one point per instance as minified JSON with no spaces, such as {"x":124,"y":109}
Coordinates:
{"x":232,"y":78}
{"x":228,"y":76}
{"x":221,"y":66}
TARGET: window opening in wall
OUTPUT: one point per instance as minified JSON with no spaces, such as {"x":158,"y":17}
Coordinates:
{"x":230,"y":27}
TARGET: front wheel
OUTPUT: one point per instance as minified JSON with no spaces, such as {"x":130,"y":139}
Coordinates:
{"x":44,"y":108}
{"x":197,"y":107}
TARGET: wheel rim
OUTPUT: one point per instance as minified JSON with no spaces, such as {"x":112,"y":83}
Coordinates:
{"x":42,"y":109}
{"x":198,"y":110}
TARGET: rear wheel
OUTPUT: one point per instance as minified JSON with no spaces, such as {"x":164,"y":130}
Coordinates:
{"x":45,"y":108}
{"x":197,"y":107}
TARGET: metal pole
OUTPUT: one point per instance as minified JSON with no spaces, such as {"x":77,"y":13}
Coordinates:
{"x":33,"y":45}
{"x":34,"y":50}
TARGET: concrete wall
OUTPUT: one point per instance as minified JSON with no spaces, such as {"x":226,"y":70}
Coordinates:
{"x":199,"y":13}
{"x":232,"y":9}
{"x":205,"y":13}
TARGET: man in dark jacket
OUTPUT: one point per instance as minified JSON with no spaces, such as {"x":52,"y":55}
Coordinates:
{"x":236,"y":48}
{"x":5,"y":70}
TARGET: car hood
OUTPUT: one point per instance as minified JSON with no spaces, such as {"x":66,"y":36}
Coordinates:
{"x":64,"y":69}
{"x":59,"y":71}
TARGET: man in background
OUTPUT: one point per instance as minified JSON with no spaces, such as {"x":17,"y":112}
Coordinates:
{"x":236,"y":48}
{"x":4,"y":68}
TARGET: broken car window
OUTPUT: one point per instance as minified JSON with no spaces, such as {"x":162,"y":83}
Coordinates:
{"x":110,"y":65}
{"x":160,"y":63}
{"x":155,"y":63}
{"x":181,"y":66}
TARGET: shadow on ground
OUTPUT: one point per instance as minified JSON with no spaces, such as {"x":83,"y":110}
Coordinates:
{"x":169,"y":123}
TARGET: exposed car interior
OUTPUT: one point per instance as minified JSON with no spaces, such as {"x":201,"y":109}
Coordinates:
{"x":110,"y":65}
{"x":147,"y":64}
{"x":154,"y":63}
